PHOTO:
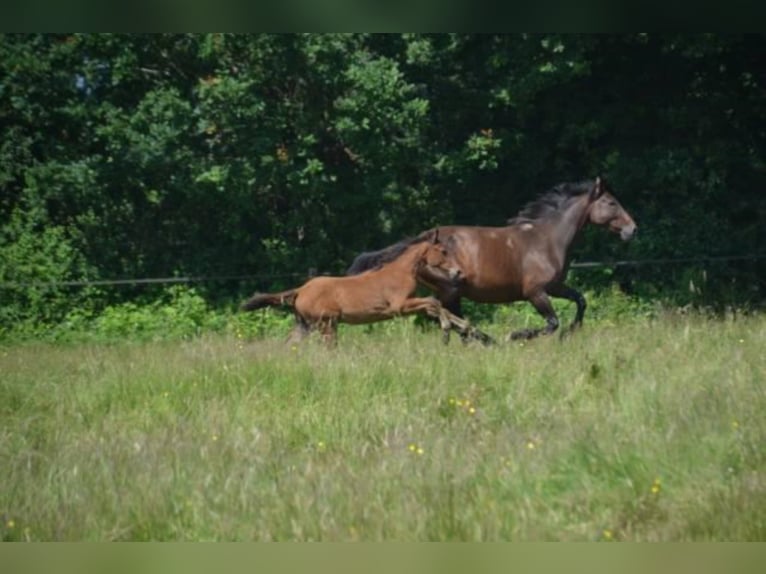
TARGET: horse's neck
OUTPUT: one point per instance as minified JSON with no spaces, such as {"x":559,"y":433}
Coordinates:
{"x":566,"y":226}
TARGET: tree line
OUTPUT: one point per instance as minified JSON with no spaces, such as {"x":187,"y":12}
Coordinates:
{"x":220,"y":154}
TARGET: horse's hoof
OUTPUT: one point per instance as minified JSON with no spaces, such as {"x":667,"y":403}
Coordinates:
{"x":475,"y":335}
{"x":488,"y":341}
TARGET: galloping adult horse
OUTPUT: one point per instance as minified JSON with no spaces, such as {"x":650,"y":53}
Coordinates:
{"x":527,"y":259}
{"x":375,"y":295}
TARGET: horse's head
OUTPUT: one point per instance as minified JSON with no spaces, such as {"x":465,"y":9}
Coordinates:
{"x":440,"y":255}
{"x":606,"y":210}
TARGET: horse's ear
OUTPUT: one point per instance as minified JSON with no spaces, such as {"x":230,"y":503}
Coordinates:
{"x":435,"y":235}
{"x":598,"y":188}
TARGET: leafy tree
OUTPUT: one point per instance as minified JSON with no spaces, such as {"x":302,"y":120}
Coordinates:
{"x":210,"y":154}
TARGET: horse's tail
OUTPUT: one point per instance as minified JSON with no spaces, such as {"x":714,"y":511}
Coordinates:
{"x":260,"y":300}
{"x":374,"y":259}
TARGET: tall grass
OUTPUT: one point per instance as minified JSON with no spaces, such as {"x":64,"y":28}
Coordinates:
{"x":639,"y":430}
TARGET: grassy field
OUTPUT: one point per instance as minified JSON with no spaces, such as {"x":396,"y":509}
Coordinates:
{"x":640,"y":430}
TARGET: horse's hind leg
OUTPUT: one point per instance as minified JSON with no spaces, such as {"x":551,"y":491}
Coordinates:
{"x":542,"y":303}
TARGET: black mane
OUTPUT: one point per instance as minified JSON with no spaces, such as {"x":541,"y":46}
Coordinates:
{"x":376,"y":259}
{"x":551,"y":202}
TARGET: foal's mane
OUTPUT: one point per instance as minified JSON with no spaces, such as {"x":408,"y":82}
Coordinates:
{"x":551,"y":202}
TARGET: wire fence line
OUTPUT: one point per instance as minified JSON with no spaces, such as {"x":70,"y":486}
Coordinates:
{"x":666,"y":261}
{"x":313,"y":272}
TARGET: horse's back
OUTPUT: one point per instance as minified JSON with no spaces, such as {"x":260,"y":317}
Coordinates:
{"x":490,"y":259}
{"x":481,"y":245}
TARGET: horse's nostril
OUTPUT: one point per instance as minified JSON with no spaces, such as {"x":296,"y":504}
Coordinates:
{"x":628,"y":232}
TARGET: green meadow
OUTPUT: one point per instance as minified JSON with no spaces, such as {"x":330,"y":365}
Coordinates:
{"x":642,"y":429}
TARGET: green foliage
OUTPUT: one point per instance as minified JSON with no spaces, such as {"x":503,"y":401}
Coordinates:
{"x":181,"y":313}
{"x":32,"y":257}
{"x":176,"y":313}
{"x":218,"y":154}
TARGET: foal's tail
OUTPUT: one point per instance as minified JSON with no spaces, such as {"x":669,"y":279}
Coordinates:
{"x":260,"y":300}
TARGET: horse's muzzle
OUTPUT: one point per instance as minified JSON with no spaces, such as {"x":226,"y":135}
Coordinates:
{"x":628,"y":232}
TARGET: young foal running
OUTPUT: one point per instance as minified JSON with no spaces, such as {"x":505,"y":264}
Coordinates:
{"x":375,"y":295}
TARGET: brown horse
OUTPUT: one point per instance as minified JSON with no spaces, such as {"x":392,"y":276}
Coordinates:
{"x":526,"y":260}
{"x":375,"y":295}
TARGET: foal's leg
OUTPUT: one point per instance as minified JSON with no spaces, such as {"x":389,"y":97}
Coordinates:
{"x":433,"y":308}
{"x":565,"y":292}
{"x":329,"y":330}
{"x":299,"y":332}
{"x":448,"y":320}
{"x":449,"y":303}
{"x":447,"y":290}
{"x":542,"y":303}
{"x":464,"y":327}
{"x":449,"y":297}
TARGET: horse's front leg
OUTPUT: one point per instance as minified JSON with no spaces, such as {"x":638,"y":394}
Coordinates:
{"x":542,"y":304}
{"x":565,"y":292}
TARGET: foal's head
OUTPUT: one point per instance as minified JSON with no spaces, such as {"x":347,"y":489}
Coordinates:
{"x":438,"y":255}
{"x":606,"y":210}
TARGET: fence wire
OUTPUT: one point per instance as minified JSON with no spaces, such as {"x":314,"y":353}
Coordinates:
{"x":313,"y":272}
